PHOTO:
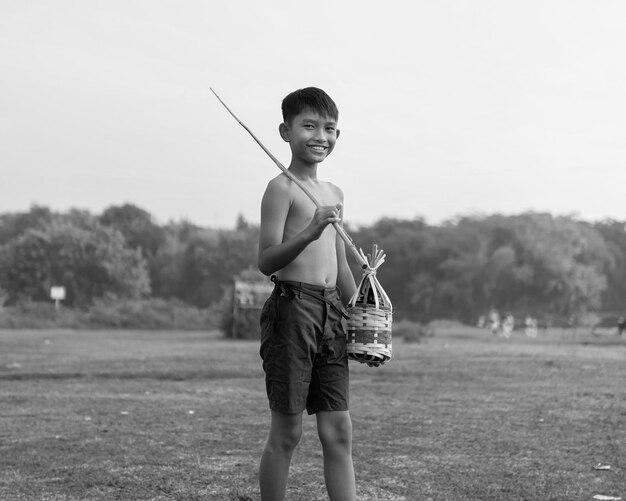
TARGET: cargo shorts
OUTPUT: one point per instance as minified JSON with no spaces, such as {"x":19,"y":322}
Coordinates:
{"x":303,"y":348}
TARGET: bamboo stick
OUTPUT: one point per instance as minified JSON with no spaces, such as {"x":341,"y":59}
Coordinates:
{"x":342,"y":233}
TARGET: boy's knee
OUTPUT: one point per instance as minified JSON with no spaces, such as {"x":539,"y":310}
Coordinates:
{"x":284,"y":439}
{"x":284,"y":443}
{"x":336,"y":432}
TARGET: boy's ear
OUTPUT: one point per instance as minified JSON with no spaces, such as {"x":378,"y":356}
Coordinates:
{"x":338,"y":132}
{"x":283,"y":130}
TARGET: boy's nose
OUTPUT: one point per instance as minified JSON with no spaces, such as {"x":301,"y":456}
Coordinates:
{"x":321,"y":136}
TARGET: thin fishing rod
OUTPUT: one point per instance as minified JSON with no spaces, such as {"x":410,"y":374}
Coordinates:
{"x":342,"y":233}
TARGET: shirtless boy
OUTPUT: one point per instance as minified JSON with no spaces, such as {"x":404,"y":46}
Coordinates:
{"x":303,"y":343}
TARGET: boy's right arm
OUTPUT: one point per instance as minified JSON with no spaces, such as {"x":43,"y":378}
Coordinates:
{"x":274,"y":251}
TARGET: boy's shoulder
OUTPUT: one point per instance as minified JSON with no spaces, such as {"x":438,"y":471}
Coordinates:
{"x":280,"y":181}
{"x":283,"y":181}
{"x":279,"y":187}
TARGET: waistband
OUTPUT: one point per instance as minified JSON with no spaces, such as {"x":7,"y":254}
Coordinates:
{"x":317,"y":289}
{"x":318,"y":292}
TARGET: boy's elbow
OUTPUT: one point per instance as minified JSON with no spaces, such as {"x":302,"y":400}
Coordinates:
{"x":264,"y":267}
{"x":266,"y":271}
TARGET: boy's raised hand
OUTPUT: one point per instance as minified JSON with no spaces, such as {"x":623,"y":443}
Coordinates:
{"x":324,"y":215}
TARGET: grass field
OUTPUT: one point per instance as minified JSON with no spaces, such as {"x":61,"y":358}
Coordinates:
{"x":183,"y":416}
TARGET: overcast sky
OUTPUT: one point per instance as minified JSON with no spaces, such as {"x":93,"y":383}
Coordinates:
{"x":446,"y":107}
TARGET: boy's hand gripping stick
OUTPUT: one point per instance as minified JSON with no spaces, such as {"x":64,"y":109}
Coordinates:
{"x":358,"y":254}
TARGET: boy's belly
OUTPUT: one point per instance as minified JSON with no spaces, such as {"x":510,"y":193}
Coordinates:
{"x":316,"y":265}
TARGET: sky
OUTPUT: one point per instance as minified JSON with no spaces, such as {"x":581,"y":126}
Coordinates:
{"x":446,"y":108}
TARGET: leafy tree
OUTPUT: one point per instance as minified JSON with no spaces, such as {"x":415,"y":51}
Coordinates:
{"x":137,"y":226}
{"x":209,"y":266}
{"x":171,"y":274}
{"x":14,"y":224}
{"x":570,"y":259}
{"x":140,"y":232}
{"x":614,"y":233}
{"x":74,"y":251}
{"x":527,"y":263}
{"x":408,"y":246}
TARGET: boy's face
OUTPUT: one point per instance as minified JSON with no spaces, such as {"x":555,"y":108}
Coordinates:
{"x":310,"y":135}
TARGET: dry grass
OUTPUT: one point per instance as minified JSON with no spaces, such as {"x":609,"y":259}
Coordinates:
{"x":183,"y":416}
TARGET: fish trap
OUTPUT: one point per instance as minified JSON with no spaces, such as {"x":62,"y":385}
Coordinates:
{"x":370,"y":316}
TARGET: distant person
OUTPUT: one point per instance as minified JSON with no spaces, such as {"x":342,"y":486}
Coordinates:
{"x":494,"y":322}
{"x":621,"y":325}
{"x":303,"y":342}
{"x":480,"y":323}
{"x":508,"y":325}
{"x":530,"y":325}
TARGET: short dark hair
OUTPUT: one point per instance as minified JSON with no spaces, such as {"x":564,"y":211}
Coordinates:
{"x":310,"y":98}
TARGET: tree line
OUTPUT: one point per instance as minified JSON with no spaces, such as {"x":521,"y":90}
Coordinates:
{"x":532,"y":263}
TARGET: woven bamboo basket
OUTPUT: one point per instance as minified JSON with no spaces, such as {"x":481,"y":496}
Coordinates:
{"x":370,"y":317}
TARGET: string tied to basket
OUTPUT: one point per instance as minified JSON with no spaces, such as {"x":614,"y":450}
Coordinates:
{"x":371,"y":262}
{"x":370,"y":290}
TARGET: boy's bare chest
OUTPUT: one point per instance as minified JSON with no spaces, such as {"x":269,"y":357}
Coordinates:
{"x":302,"y":207}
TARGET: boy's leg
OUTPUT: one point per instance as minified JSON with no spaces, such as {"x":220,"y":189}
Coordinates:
{"x":285,"y":433}
{"x":335,"y":431}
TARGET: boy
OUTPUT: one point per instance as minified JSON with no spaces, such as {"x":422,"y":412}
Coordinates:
{"x":303,"y":343}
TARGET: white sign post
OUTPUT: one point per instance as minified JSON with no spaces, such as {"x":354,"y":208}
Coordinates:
{"x":57,"y":293}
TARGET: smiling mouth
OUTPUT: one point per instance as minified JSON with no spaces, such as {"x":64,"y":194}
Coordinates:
{"x":319,"y":148}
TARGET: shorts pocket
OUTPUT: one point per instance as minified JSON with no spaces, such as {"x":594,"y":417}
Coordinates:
{"x":268,"y":324}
